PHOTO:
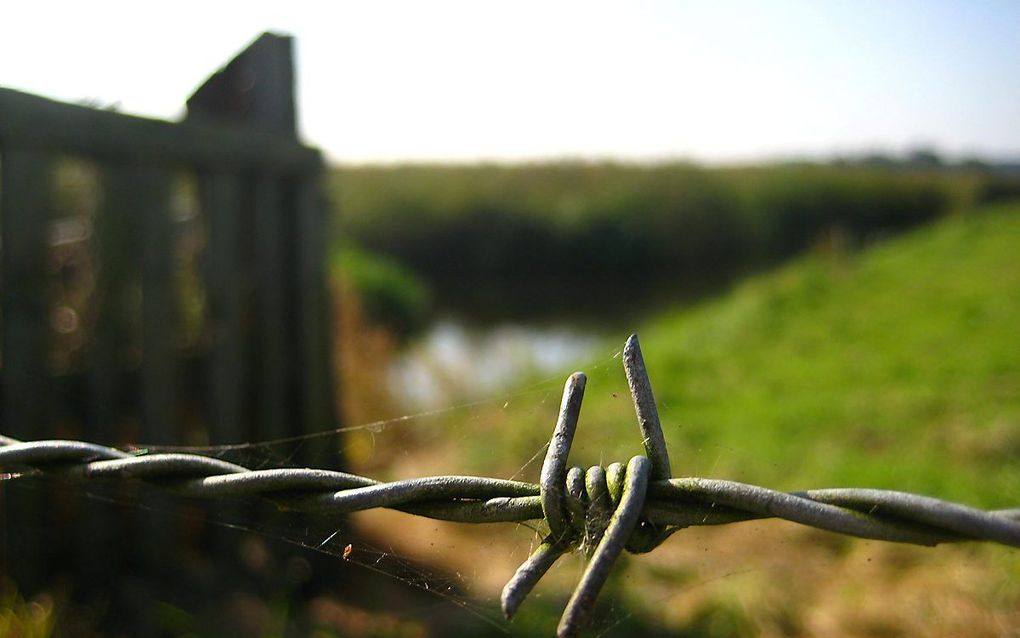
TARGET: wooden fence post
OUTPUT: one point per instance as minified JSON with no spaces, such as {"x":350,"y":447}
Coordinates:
{"x":276,"y":370}
{"x":256,"y":90}
{"x":271,"y":367}
{"x":25,"y":211}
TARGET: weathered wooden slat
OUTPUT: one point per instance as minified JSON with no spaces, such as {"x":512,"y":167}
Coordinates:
{"x":220,"y":199}
{"x":156,"y":555}
{"x":159,"y":416}
{"x":275,"y":386}
{"x":318,"y":398}
{"x":25,"y":211}
{"x":33,"y":122}
{"x":115,"y":346}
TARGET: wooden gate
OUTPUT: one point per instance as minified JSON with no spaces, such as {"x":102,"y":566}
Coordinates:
{"x":162,"y":283}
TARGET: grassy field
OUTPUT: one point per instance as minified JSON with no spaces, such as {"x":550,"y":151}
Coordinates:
{"x":896,"y":367}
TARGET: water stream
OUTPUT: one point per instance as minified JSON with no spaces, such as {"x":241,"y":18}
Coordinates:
{"x":456,"y":361}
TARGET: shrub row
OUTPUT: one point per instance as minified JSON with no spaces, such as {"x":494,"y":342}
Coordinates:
{"x":506,"y":226}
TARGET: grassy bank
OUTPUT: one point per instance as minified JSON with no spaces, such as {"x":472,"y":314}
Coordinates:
{"x":897,"y":367}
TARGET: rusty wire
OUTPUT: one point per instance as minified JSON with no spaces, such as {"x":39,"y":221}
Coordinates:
{"x":601,"y":511}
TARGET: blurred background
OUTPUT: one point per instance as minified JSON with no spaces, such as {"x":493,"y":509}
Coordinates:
{"x":809,"y":211}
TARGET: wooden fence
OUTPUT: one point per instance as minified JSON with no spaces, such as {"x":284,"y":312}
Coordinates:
{"x":161,"y":282}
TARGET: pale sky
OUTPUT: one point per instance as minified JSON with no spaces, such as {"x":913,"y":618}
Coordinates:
{"x":453,"y":81}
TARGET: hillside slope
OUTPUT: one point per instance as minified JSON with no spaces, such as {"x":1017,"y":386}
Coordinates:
{"x":897,"y":367}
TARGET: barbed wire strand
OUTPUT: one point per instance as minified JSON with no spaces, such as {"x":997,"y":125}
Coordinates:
{"x":601,"y":511}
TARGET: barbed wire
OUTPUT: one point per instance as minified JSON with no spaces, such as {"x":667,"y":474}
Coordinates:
{"x":601,"y":511}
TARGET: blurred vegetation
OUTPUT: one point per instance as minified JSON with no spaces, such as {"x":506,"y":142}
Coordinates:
{"x":496,"y":235}
{"x":25,"y":619}
{"x":390,"y":295}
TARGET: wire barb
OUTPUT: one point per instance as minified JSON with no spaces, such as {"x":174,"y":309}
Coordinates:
{"x":623,"y":522}
{"x":647,"y":412}
{"x":554,"y":468}
{"x":601,"y":511}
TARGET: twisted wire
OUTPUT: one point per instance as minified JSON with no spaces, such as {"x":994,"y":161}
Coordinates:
{"x":602,"y":511}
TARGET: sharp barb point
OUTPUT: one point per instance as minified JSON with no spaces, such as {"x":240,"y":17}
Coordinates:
{"x":644,"y":407}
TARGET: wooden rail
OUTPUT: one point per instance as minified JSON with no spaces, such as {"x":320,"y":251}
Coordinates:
{"x":32,"y":122}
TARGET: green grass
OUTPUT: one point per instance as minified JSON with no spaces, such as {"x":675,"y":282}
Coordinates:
{"x":898,"y":367}
{"x":392,"y":296}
